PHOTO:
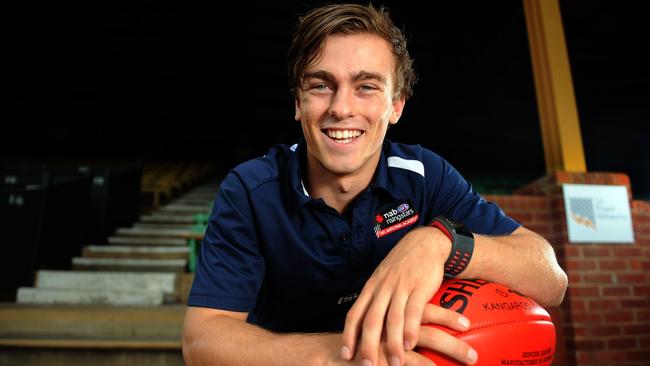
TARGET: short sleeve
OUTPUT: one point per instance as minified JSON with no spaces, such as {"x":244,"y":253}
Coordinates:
{"x":230,"y":268}
{"x":452,"y":196}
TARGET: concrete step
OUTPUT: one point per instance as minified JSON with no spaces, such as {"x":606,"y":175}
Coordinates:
{"x":99,"y":296}
{"x":194,"y":209}
{"x":130,"y":240}
{"x":200,"y":196}
{"x":129,"y":264}
{"x":92,"y":322}
{"x":90,"y":335}
{"x":159,"y":233}
{"x":166,"y":226}
{"x":194,"y":201}
{"x":165,"y":283}
{"x":124,"y":251}
{"x":167,"y":218}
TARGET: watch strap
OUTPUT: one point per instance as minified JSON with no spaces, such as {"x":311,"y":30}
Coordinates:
{"x":462,"y":245}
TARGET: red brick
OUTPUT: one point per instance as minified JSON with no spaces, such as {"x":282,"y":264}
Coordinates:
{"x":584,"y":358}
{"x":589,"y":345}
{"x":642,"y":230}
{"x":643,"y":290}
{"x":581,"y":264}
{"x":600,"y":278}
{"x":641,"y":219}
{"x":616,"y":291}
{"x":580,"y":291}
{"x":642,"y":315}
{"x":587,"y":317}
{"x":612,"y":264}
{"x":596,"y":251}
{"x":606,"y":330}
{"x":523,"y":217}
{"x":638,"y":264}
{"x":622,"y":343}
{"x":542,"y":216}
{"x":602,"y":305}
{"x":631,"y":329}
{"x":578,"y":305}
{"x":635,"y":303}
{"x":577,"y":331}
{"x":626,"y":251}
{"x":611,"y":357}
{"x":641,"y":355}
{"x":619,"y":316}
{"x":639,"y":206}
{"x":574,"y":277}
{"x":632,"y":278}
{"x":572,"y":252}
{"x":644,"y":342}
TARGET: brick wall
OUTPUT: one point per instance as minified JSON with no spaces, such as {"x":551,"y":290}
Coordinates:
{"x":605,"y":316}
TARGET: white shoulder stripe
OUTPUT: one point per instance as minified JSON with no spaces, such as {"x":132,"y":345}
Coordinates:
{"x":415,"y":166}
{"x":293,"y":147}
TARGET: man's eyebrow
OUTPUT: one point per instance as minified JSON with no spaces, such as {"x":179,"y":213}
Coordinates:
{"x":319,"y":74}
{"x":361,"y":75}
{"x":367,"y":75}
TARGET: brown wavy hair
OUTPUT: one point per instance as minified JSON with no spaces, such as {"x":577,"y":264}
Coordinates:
{"x":313,"y":29}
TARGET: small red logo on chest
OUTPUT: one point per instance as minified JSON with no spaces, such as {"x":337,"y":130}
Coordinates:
{"x":395,"y":218}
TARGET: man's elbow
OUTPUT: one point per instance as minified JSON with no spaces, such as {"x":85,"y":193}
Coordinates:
{"x":556,"y":289}
{"x":188,"y":344}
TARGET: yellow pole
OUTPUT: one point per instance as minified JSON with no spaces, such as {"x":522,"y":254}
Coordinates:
{"x":555,"y":97}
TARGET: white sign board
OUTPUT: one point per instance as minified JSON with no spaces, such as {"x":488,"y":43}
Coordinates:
{"x":597,"y":214}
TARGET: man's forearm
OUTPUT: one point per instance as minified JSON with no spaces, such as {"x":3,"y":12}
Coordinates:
{"x":226,"y":341}
{"x":523,"y":261}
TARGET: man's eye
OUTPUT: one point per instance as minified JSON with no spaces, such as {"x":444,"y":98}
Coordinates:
{"x":367,"y":88}
{"x":319,"y":87}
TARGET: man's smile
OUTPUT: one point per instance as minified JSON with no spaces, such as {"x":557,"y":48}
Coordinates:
{"x":342,"y":136}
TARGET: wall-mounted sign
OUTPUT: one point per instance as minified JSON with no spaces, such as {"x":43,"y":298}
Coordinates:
{"x":597,"y":214}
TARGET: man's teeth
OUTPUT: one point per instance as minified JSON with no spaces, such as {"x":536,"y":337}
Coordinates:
{"x":343,"y":134}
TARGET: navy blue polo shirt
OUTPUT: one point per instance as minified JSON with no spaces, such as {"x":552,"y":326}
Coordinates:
{"x":296,"y":264}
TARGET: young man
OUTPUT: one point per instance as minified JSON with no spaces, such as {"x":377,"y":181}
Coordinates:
{"x":326,"y":252}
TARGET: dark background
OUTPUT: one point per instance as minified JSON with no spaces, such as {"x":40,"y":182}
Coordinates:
{"x":206,"y":81}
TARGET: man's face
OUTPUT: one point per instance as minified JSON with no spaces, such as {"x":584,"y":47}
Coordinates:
{"x":346,"y":103}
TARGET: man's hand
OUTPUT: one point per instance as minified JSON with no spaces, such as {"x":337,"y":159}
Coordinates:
{"x":429,"y":337}
{"x":396,"y":295}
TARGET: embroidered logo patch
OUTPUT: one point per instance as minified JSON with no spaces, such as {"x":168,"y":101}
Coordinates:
{"x":395,"y":217}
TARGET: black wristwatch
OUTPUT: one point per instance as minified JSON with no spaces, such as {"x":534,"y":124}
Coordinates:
{"x":462,"y":245}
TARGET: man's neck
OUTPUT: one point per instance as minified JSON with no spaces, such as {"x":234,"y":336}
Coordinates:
{"x":337,"y":190}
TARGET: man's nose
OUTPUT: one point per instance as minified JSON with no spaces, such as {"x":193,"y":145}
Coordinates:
{"x":342,"y":105}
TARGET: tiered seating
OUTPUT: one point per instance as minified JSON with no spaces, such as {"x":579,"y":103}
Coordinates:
{"x":123,"y":301}
{"x":164,"y":181}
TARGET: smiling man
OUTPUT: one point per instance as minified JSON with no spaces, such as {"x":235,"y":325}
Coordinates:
{"x":326,"y":252}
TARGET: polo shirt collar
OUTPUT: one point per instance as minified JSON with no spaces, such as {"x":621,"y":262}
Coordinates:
{"x":297,"y":163}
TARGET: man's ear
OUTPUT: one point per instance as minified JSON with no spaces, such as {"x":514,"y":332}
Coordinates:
{"x":298,"y":114}
{"x":398,"y":107}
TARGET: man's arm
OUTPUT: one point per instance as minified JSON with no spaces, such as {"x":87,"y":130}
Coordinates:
{"x":219,"y":337}
{"x":523,"y":261}
{"x":408,"y":277}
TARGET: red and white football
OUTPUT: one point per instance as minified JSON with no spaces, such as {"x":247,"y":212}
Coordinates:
{"x":507,"y":328}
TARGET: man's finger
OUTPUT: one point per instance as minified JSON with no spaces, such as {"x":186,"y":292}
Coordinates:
{"x":395,"y":326}
{"x":353,"y":322}
{"x":445,"y":343}
{"x":372,"y":328}
{"x":412,"y":358}
{"x":434,"y":314}
{"x":413,"y":319}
